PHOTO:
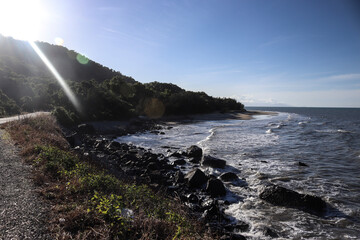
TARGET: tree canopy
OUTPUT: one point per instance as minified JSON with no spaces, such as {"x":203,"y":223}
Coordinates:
{"x":104,"y":94}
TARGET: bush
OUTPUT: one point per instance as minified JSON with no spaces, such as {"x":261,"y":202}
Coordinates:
{"x":63,"y":117}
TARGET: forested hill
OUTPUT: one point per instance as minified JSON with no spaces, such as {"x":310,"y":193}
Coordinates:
{"x":27,"y":85}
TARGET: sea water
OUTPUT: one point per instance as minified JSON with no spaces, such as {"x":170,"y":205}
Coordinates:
{"x":267,"y":149}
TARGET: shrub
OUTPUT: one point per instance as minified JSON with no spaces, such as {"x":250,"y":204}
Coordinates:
{"x":63,"y":116}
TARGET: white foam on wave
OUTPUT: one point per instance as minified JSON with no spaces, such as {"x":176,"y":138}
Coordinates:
{"x":332,"y":131}
{"x":343,"y":131}
{"x":269,"y":131}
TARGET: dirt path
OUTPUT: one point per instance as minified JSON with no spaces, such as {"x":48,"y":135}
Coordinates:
{"x":9,"y":119}
{"x":22,"y":213}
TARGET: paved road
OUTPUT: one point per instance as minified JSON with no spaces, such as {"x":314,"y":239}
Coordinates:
{"x":18,"y":117}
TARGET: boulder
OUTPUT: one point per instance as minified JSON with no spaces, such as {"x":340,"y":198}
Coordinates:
{"x":177,"y":154}
{"x":194,"y":152}
{"x":239,"y":226}
{"x":192,"y":198}
{"x":228,"y":177}
{"x":215,"y":187}
{"x":271,"y":233}
{"x":113,"y":146}
{"x":179,"y":162}
{"x":213,"y":162}
{"x":281,"y":196}
{"x":179,"y":177}
{"x":233,"y":237}
{"x":196,"y":178}
{"x":73,"y":139}
{"x":301,"y":164}
{"x":153,"y":166}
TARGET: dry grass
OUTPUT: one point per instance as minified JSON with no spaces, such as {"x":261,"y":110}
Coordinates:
{"x":82,"y":195}
{"x":36,"y":131}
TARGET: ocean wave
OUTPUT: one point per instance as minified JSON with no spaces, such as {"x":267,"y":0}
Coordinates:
{"x":333,"y":131}
{"x":269,"y":131}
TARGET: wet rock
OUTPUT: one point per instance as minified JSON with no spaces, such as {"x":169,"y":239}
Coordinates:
{"x":113,"y":146}
{"x":271,"y":233}
{"x":212,"y":212}
{"x":153,"y":166}
{"x":196,"y":178}
{"x":177,"y":154}
{"x":302,"y":164}
{"x":85,"y":129}
{"x":73,"y":140}
{"x":240,"y":226}
{"x":128,"y":157}
{"x":192,"y":198}
{"x":281,"y":196}
{"x":194,"y":152}
{"x":237,"y":237}
{"x":194,"y":160}
{"x":213,"y":162}
{"x":179,"y":177}
{"x":179,"y":162}
{"x":207,"y":204}
{"x":100,"y":144}
{"x":215,"y":187}
{"x":228,"y":177}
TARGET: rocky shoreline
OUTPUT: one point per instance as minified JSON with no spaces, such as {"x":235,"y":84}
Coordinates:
{"x":202,"y":193}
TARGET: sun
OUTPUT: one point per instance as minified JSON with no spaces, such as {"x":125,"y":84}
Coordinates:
{"x":22,"y":19}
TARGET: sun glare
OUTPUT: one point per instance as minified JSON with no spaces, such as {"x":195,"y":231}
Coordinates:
{"x":58,"y":77}
{"x":22,"y":19}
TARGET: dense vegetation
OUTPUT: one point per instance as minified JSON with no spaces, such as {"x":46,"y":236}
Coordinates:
{"x":27,"y":85}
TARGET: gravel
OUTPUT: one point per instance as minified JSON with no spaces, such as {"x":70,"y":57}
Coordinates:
{"x":23,"y":214}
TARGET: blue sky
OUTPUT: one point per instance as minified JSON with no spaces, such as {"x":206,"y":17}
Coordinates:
{"x":297,"y":53}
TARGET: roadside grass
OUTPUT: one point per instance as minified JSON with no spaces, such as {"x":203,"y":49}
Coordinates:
{"x":89,"y":203}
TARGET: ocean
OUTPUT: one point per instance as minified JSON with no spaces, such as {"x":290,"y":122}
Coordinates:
{"x":268,"y":148}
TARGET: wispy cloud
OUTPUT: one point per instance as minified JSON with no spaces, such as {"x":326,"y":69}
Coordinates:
{"x":108,"y":8}
{"x":276,"y":40}
{"x":351,"y":76}
{"x":131,"y":37}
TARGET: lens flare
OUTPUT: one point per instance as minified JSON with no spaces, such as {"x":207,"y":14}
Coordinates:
{"x":82,"y":59}
{"x":58,"y":77}
{"x":59,"y":41}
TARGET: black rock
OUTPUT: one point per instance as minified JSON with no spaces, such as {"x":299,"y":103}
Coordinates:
{"x":215,"y":187}
{"x":271,"y":233}
{"x":179,"y":177}
{"x":242,"y":226}
{"x":208,"y":203}
{"x":194,"y":152}
{"x":196,"y":178}
{"x":213,"y":162}
{"x":302,"y":164}
{"x":177,"y":154}
{"x":113,"y":146}
{"x":153,"y":166}
{"x":233,"y":237}
{"x":237,"y":237}
{"x":129,"y":157}
{"x":285,"y":197}
{"x":179,"y":162}
{"x":100,"y":144}
{"x":228,"y":177}
{"x":192,"y":198}
{"x":194,"y":160}
{"x":73,"y":140}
